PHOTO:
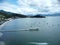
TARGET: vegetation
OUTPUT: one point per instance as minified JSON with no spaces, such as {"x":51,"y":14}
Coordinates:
{"x":6,"y":15}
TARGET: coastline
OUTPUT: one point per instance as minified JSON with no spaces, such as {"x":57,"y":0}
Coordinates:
{"x":4,"y":23}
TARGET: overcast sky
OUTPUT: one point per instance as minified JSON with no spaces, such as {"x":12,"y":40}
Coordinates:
{"x":31,"y":6}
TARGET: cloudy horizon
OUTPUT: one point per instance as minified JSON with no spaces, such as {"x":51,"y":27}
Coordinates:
{"x":31,"y":6}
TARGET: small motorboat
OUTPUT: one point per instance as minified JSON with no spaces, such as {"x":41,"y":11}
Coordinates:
{"x":31,"y":29}
{"x":34,"y":29}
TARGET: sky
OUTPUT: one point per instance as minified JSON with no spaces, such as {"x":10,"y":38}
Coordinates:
{"x":29,"y":7}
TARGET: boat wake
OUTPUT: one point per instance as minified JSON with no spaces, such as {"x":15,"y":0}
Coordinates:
{"x":2,"y":43}
{"x":37,"y":43}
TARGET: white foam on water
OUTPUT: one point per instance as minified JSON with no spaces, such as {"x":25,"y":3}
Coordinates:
{"x":37,"y":43}
{"x":2,"y":43}
{"x":1,"y":34}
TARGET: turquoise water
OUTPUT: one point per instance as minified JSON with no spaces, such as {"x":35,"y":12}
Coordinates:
{"x":49,"y":31}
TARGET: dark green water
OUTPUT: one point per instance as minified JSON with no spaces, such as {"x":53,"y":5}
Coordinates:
{"x":49,"y":31}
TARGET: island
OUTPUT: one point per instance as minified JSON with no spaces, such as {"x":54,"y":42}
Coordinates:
{"x":38,"y":16}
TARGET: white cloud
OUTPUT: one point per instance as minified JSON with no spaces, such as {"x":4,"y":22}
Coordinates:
{"x":41,"y":6}
{"x":32,"y":6}
{"x":8,"y":7}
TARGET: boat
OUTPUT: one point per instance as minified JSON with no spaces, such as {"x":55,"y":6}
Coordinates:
{"x":34,"y":29}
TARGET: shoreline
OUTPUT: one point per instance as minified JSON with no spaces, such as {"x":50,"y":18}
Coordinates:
{"x":4,"y":23}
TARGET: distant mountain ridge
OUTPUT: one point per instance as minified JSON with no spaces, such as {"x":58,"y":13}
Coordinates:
{"x":54,"y":14}
{"x":10,"y":14}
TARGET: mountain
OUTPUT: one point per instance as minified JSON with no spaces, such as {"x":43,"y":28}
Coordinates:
{"x":54,"y":14}
{"x":10,"y":14}
{"x":38,"y":16}
{"x":14,"y":15}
